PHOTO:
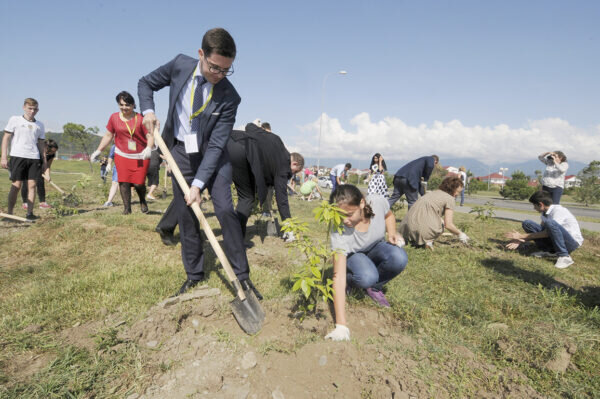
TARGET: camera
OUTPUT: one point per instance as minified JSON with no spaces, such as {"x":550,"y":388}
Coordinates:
{"x":549,"y":157}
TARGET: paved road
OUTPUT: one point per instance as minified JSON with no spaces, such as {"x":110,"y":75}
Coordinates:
{"x":519,"y":217}
{"x":576,"y":210}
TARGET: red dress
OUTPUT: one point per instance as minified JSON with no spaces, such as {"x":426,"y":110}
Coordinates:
{"x":129,"y":170}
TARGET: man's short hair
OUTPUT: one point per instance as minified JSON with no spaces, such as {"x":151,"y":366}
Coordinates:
{"x":348,"y":165}
{"x":218,"y":40}
{"x":296,"y":157}
{"x":126,"y":97}
{"x":266,"y":126}
{"x":541,"y":196}
{"x":30,"y":101}
{"x":436,"y":158}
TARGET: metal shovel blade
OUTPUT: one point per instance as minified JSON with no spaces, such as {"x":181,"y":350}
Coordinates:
{"x":271,"y":228}
{"x":248,"y":313}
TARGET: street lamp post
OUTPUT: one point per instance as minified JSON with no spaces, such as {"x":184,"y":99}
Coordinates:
{"x":342,"y":72}
{"x":502,"y":171}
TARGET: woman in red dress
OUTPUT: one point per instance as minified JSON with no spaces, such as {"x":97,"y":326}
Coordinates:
{"x":133,"y":147}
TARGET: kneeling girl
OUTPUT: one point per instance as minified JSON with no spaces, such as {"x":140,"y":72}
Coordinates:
{"x":363,"y":259}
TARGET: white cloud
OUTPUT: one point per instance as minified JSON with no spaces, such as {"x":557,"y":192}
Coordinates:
{"x":489,"y":144}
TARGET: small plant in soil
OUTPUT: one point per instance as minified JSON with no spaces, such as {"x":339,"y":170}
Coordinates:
{"x":310,"y":280}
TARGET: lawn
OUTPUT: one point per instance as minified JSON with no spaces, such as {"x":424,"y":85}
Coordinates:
{"x":471,"y":321}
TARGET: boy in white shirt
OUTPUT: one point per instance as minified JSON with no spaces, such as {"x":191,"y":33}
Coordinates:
{"x":558,"y":235}
{"x":27,"y":154}
{"x":336,"y":174}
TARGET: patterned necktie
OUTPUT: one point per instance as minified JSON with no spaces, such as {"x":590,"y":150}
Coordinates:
{"x":198,"y":102}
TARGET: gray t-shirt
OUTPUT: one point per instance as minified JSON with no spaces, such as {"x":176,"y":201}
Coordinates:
{"x":352,"y":241}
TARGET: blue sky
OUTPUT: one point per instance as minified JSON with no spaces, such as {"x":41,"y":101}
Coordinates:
{"x":491,"y":80}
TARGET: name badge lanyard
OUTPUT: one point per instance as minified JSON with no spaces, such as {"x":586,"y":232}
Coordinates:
{"x":131,"y":144}
{"x":203,"y":107}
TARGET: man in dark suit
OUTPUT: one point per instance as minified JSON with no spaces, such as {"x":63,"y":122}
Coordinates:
{"x":202,"y":109}
{"x":260,"y":160}
{"x":407,"y":179}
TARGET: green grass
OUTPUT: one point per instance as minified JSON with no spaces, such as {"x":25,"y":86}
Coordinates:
{"x":82,"y":268}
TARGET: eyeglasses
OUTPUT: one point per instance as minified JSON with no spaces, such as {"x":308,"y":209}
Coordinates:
{"x":216,"y":69}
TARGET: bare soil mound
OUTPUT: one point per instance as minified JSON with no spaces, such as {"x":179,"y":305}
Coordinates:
{"x":195,"y":349}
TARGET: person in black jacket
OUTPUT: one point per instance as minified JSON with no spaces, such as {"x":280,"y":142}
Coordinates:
{"x":260,"y":160}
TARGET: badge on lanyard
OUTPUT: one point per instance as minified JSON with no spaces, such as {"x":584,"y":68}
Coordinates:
{"x":191,"y":143}
{"x":131,"y":145}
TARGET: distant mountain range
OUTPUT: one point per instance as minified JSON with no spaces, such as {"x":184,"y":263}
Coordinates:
{"x":476,"y":167}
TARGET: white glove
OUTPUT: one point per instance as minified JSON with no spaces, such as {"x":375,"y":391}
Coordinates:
{"x":109,"y":167}
{"x":341,"y":333}
{"x":94,"y":156}
{"x":288,"y":236}
{"x":463,"y":238}
{"x":147,"y":153}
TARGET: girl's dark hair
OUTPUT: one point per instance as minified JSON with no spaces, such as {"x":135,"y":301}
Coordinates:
{"x":350,"y":195}
{"x":51,"y":144}
{"x":450,"y":184}
{"x":561,"y":155}
{"x":126,"y":97}
{"x":378,"y":155}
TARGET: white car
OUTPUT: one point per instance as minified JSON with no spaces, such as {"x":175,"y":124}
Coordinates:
{"x":325,"y":182}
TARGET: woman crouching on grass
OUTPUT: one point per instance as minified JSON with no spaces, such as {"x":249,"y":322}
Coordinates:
{"x":363,"y":259}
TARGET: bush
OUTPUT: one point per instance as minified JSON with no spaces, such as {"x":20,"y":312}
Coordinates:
{"x":436,"y":178}
{"x":517,"y":187}
{"x":589,"y":191}
{"x":476,"y":185}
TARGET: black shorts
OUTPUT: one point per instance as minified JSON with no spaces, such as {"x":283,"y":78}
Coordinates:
{"x":24,"y":168}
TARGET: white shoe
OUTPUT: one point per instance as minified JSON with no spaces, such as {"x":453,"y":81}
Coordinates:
{"x":563,"y":262}
{"x":544,"y":254}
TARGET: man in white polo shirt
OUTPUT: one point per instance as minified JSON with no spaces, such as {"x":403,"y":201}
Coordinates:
{"x":27,"y":154}
{"x":558,"y":235}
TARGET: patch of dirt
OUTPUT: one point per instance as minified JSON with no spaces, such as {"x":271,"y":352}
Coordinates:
{"x":195,"y":349}
{"x":24,"y":365}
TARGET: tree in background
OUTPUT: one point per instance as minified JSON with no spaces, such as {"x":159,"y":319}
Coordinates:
{"x":436,"y":178}
{"x":517,"y":187}
{"x":538,"y":176}
{"x":589,"y":191}
{"x":476,"y":185}
{"x":81,"y":137}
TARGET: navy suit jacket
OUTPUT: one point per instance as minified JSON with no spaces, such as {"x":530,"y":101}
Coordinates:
{"x":216,"y":121}
{"x":414,"y":170}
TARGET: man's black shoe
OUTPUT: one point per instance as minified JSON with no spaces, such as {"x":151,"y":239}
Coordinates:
{"x":247,"y":285}
{"x":31,"y":216}
{"x":187,"y":285}
{"x":166,"y":236}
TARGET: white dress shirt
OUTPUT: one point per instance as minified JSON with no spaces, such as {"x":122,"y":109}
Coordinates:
{"x":565,"y":218}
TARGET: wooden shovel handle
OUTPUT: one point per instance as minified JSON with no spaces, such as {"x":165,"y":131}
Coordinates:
{"x":198,"y":212}
{"x":13,"y":217}
{"x":56,"y":187}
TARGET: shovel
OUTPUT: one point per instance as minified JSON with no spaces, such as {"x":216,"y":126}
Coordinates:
{"x":69,"y":200}
{"x":246,"y":308}
{"x":13,"y":217}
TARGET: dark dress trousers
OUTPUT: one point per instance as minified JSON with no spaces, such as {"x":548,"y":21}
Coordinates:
{"x":407,"y":180}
